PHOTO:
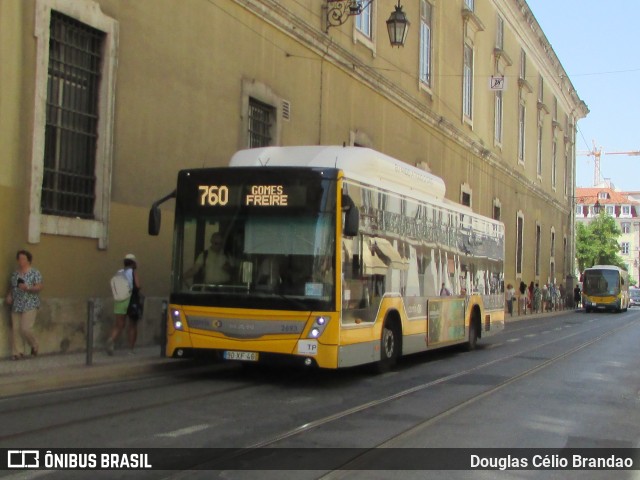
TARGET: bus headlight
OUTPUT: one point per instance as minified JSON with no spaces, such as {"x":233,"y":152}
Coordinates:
{"x":176,"y":320}
{"x":318,"y":327}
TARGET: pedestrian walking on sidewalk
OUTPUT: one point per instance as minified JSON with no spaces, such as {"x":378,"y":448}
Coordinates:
{"x":511,"y":296}
{"x":523,"y":298}
{"x":124,"y":309}
{"x":577,"y":297}
{"x":537,"y":299}
{"x":24,"y":297}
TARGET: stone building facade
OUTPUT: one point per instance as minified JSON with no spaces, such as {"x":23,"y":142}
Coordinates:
{"x":103,"y":101}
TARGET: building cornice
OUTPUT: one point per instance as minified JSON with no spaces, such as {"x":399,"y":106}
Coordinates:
{"x":524,"y":22}
{"x":274,"y":13}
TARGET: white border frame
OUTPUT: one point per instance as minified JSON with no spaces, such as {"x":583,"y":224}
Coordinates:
{"x":89,"y":13}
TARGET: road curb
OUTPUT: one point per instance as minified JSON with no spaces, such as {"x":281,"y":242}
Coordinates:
{"x":85,"y":375}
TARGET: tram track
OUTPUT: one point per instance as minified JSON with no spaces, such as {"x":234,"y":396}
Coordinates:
{"x":396,"y":441}
{"x":127,"y":410}
{"x":358,"y":461}
{"x":364,"y":407}
{"x":448,"y":378}
{"x":106,"y":394}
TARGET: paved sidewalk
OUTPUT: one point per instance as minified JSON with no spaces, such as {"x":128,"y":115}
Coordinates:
{"x":65,"y":370}
{"x":529,"y":316}
{"x":49,"y":372}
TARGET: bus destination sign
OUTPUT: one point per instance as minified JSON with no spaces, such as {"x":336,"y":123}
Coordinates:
{"x":250,"y":195}
{"x":267,"y":195}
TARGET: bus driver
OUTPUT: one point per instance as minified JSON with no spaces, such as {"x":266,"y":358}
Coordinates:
{"x":213,"y":265}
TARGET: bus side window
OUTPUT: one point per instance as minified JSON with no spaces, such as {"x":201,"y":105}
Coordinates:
{"x":356,"y":267}
{"x":351,"y":217}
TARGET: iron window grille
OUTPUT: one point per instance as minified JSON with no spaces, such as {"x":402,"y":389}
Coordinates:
{"x":75,"y":57}
{"x":261,"y":118}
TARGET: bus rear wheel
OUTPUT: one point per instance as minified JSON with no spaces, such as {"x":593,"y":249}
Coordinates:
{"x":472,"y":344}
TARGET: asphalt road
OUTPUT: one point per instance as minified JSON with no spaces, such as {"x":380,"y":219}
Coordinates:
{"x":569,"y":381}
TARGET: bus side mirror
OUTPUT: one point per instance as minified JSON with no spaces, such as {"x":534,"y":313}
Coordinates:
{"x":351,"y":217}
{"x":154,"y":214}
{"x":155,"y":218}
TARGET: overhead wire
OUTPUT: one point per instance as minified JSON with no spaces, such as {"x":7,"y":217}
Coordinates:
{"x":395,"y":68}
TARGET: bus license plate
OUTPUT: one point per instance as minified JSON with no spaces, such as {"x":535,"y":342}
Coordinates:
{"x":242,"y":356}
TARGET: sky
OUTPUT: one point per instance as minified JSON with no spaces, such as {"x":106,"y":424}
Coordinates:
{"x":597,"y":44}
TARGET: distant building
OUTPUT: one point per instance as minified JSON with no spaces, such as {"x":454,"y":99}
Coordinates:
{"x":624,"y":208}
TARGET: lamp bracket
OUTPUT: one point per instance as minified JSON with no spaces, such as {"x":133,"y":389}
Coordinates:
{"x":338,"y":11}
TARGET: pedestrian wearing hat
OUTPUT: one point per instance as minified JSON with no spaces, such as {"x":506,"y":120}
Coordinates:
{"x":120,"y":307}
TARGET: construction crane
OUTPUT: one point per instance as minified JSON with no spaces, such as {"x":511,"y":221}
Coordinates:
{"x":597,"y":153}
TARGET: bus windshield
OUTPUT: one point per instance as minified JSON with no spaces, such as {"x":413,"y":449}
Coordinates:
{"x":601,"y":282}
{"x":255,"y":238}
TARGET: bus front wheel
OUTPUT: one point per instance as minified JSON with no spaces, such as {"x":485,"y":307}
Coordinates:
{"x":389,"y":347}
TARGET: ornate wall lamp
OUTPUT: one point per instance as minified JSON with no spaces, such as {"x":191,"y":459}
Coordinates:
{"x":338,"y":11}
{"x":398,"y":26}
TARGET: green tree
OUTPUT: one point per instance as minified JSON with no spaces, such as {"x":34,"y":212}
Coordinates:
{"x":597,"y":243}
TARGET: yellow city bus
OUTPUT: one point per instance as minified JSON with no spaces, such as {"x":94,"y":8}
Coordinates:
{"x":332,"y":257}
{"x":605,"y":287}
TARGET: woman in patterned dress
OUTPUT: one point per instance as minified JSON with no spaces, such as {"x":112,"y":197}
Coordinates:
{"x":24,"y":298}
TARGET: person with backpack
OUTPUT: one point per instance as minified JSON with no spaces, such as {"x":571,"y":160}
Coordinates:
{"x":125,"y":287}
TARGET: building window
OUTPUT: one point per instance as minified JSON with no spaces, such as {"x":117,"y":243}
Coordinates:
{"x":538,"y":244}
{"x":425,"y":42}
{"x":466,"y":194}
{"x":523,"y":65}
{"x":521,"y":131}
{"x":539,"y":156}
{"x":554,"y":160}
{"x":553,"y":243}
{"x":262,"y":113}
{"x":498,"y":117}
{"x":626,"y":227}
{"x":499,"y":33}
{"x":364,"y":22}
{"x":68,"y":185}
{"x":467,"y":88}
{"x":261,"y":120}
{"x":567,"y":173}
{"x":592,"y":211}
{"x":541,"y":89}
{"x":610,"y":210}
{"x":579,"y":211}
{"x":469,"y":4}
{"x":565,"y":256}
{"x":519,"y":243}
{"x":72,"y":149}
{"x":497,"y":210}
{"x":626,"y":210}
{"x":624,"y":248}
